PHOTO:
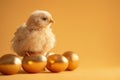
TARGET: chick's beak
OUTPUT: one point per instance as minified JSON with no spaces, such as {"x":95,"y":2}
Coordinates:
{"x":52,"y":21}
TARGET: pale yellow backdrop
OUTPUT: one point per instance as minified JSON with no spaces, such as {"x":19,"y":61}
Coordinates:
{"x":90,"y":28}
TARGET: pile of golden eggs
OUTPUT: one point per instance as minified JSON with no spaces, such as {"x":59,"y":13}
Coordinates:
{"x":35,"y":63}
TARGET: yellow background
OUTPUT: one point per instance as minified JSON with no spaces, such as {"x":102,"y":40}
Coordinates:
{"x":90,"y":28}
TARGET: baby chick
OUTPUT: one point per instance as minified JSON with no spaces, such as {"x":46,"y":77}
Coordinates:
{"x":35,"y":36}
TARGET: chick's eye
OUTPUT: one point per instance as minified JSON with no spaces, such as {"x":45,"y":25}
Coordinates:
{"x":44,"y":19}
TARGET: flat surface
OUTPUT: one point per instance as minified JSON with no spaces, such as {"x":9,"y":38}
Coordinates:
{"x":78,"y":74}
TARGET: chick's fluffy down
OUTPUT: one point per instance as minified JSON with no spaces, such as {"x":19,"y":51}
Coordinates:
{"x":35,"y":41}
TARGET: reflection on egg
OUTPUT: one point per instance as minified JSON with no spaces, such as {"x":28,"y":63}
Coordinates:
{"x":34,"y":63}
{"x":73,"y":59}
{"x":57,"y":63}
{"x":10,"y":64}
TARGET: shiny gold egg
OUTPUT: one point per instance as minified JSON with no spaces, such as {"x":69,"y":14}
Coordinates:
{"x":10,"y":64}
{"x":57,"y":63}
{"x":34,"y":63}
{"x":73,"y":59}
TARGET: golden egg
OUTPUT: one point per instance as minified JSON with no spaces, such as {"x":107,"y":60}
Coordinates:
{"x":10,"y":64}
{"x":34,"y":63}
{"x":57,"y":63}
{"x":73,"y":59}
